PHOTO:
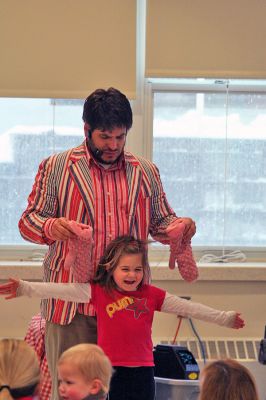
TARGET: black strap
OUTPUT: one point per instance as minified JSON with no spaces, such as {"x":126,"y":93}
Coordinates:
{"x":20,"y":392}
{"x":4,"y":387}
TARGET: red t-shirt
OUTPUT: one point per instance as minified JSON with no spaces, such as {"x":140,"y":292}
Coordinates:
{"x":124,"y":321}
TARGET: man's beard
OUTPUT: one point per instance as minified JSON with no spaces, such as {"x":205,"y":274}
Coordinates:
{"x":97,"y":154}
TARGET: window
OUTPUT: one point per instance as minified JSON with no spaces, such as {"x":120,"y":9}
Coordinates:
{"x":209,"y":142}
{"x":208,"y":139}
{"x":30,"y":130}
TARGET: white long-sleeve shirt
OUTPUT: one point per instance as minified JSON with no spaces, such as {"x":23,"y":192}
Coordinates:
{"x":81,"y":293}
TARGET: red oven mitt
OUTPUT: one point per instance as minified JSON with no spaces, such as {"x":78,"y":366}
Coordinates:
{"x":79,"y":254}
{"x":181,"y":252}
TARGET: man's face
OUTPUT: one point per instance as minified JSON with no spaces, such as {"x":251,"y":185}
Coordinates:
{"x":106,"y":146}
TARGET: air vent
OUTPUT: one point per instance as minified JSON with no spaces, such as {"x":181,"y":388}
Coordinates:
{"x":245,"y":349}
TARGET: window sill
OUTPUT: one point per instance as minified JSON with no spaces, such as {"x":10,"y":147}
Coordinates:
{"x":216,"y":272}
{"x":32,"y":270}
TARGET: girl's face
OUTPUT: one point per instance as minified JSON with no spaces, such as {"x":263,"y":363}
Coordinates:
{"x":72,"y":385}
{"x":128,"y":273}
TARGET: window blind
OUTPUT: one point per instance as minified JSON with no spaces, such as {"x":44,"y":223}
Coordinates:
{"x":206,"y":38}
{"x":67,"y":48}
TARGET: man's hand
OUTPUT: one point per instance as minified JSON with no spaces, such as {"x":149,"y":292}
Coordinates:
{"x":61,"y":229}
{"x":190,"y":228}
{"x":10,"y":288}
{"x":185,"y":225}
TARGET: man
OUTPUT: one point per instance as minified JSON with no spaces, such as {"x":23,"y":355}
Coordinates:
{"x":97,"y":184}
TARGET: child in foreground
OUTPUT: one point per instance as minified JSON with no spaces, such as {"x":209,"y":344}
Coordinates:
{"x":84,"y":373}
{"x":125,"y":307}
{"x":227,"y":379}
{"x":19,"y":371}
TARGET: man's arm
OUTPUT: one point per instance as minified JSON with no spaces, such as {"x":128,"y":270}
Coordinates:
{"x":40,"y":222}
{"x":42,"y":205}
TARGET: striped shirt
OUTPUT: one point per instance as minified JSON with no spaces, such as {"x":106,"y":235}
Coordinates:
{"x":110,"y":204}
{"x":110,"y":209}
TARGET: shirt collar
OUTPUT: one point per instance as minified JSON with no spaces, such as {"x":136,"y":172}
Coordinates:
{"x":99,"y":396}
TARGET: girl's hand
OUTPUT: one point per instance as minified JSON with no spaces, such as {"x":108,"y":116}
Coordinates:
{"x":239,"y":322}
{"x":10,"y":288}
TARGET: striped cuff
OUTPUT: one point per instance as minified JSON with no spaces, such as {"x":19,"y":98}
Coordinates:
{"x":47,"y":228}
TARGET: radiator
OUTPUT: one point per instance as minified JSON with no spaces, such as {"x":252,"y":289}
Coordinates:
{"x":244,"y":350}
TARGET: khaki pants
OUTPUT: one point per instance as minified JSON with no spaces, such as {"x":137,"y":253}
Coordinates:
{"x":58,"y":338}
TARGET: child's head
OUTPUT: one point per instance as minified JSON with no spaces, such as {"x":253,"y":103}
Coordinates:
{"x":84,"y":370}
{"x":19,"y":370}
{"x":227,"y":379}
{"x":127,"y":255}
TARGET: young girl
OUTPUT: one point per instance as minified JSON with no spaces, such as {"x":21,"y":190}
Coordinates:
{"x":125,"y":307}
{"x":84,"y":373}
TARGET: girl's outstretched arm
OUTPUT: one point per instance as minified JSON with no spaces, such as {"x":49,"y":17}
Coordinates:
{"x":77,"y":292}
{"x":187,"y":308}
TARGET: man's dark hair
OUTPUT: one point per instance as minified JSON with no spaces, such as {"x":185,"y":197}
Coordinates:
{"x":107,"y":109}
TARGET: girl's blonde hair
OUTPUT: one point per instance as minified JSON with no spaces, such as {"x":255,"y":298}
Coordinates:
{"x":19,"y":369}
{"x":118,"y":247}
{"x":90,"y":361}
{"x":227,"y":379}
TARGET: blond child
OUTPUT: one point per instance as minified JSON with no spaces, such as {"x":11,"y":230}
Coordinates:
{"x":19,"y":371}
{"x":84,"y":373}
{"x":125,"y":306}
